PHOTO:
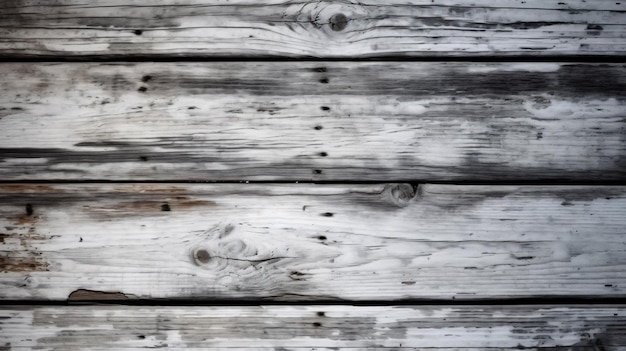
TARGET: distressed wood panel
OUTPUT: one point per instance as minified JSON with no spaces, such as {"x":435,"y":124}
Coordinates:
{"x":308,"y":242}
{"x":332,"y":121}
{"x":580,"y":328}
{"x":350,"y":29}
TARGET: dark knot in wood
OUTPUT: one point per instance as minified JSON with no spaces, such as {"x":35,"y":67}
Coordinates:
{"x":338,"y":22}
{"x":202,"y":256}
{"x":400,"y":194}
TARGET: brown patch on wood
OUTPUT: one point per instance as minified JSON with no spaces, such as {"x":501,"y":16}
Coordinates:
{"x":24,"y":256}
{"x":24,"y":220}
{"x":149,"y":206}
{"x":30,"y":263}
{"x":186,"y":203}
{"x":29,"y":189}
{"x":82,"y":295}
{"x":155,"y":189}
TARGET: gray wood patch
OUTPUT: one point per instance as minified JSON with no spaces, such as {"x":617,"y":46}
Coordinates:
{"x":343,"y":29}
{"x":309,"y":242}
{"x":580,"y":328}
{"x":313,"y":121}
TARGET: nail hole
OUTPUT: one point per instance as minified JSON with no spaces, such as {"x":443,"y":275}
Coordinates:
{"x":138,"y":32}
{"x":338,"y":22}
{"x":29,"y":209}
{"x":203,"y":256}
{"x":146,"y":78}
{"x":317,"y":171}
{"x":318,"y":127}
{"x":165,"y":207}
{"x":317,"y":325}
{"x":321,"y":237}
{"x":327,"y":214}
{"x":142,"y":89}
{"x":141,"y":336}
{"x":321,"y":314}
{"x":323,"y":154}
{"x":324,"y":80}
{"x":325,"y":108}
{"x":143,"y":158}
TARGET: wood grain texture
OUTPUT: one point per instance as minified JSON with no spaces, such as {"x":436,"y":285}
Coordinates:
{"x":319,"y":121}
{"x":369,"y":28}
{"x":311,"y":242}
{"x":575,"y":328}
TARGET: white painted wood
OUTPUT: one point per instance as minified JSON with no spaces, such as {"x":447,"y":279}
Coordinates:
{"x":310,"y":242}
{"x":322,"y":327}
{"x":312,"y":29}
{"x":320,"y":121}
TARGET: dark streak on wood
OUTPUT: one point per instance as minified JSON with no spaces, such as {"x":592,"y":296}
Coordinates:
{"x":305,"y":327}
{"x":527,"y":122}
{"x":83,"y":295}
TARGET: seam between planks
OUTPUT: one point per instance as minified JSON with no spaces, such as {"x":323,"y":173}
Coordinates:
{"x":413,"y":183}
{"x":535,"y":301}
{"x":173,"y":59}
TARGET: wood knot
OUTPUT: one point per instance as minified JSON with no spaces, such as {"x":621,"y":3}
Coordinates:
{"x":338,"y":22}
{"x":401,"y":194}
{"x":332,"y":16}
{"x":201,"y":256}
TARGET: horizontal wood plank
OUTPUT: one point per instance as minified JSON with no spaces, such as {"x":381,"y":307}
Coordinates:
{"x":576,"y":328}
{"x":310,"y":242}
{"x":313,"y":121}
{"x":369,"y":28}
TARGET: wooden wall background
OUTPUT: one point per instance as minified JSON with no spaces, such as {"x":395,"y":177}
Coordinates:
{"x":312,"y":175}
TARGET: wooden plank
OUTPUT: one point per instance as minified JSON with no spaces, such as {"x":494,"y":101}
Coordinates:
{"x":311,"y":242}
{"x":213,"y":28}
{"x":579,"y":328}
{"x":319,"y":121}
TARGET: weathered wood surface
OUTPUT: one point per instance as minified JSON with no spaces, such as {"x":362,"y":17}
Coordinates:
{"x":307,"y":242}
{"x":349,"y":29}
{"x":382,"y":121}
{"x":576,"y":328}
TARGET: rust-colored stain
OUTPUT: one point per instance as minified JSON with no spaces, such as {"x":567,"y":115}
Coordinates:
{"x":184,"y":203}
{"x":82,"y":295}
{"x":32,"y":263}
{"x":21,"y":241}
{"x":29,"y":189}
{"x":151,"y":189}
{"x":24,"y":220}
{"x":139,"y":207}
